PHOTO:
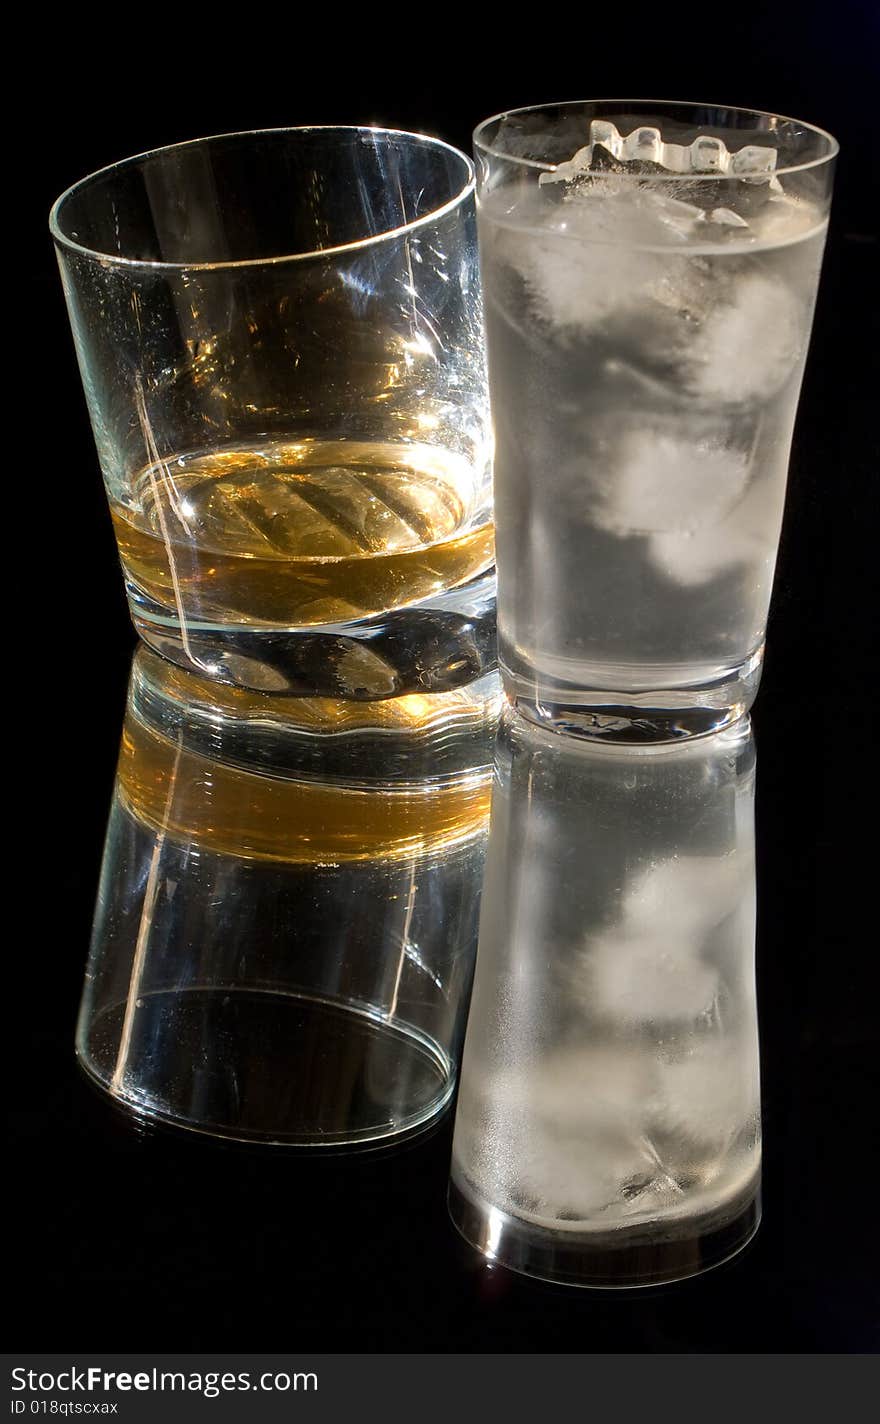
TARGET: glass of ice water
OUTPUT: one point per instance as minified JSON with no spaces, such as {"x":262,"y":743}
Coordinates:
{"x":279,"y":335}
{"x":649,"y":275}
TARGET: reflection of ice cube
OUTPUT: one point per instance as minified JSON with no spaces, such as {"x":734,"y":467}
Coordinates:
{"x":649,"y":968}
{"x":584,"y":1088}
{"x":656,"y":978}
{"x":660,"y":480}
{"x":572,"y":1177}
{"x":713,"y":1094}
{"x":561,"y":1137}
{"x":747,"y":536}
{"x":748,"y":343}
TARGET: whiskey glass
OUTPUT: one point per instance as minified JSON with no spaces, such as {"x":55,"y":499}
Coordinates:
{"x":279,"y":337}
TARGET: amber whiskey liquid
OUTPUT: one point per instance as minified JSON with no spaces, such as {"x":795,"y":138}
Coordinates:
{"x":298,"y":534}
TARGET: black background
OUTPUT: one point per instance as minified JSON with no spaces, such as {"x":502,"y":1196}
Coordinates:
{"x":120,"y":1242}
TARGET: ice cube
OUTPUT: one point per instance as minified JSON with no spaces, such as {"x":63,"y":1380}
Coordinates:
{"x":753,"y":161}
{"x":726,"y":217}
{"x":659,"y":479}
{"x":645,"y":145}
{"x":601,"y":252}
{"x":748,"y":344}
{"x":747,"y":536}
{"x":785,"y":217}
{"x":574,"y":258}
{"x":613,"y":210}
{"x":708,"y":155}
{"x":574,"y":167}
{"x":681,"y":218}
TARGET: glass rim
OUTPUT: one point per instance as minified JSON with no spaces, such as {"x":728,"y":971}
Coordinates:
{"x":63,"y":240}
{"x":541,"y":167}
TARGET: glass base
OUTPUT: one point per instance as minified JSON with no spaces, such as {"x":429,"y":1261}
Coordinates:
{"x":653,"y":714}
{"x":434,"y":646}
{"x":267,"y":1067}
{"x":652,"y":1254}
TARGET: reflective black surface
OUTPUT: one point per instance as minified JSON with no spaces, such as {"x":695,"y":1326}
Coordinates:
{"x":120,"y":1239}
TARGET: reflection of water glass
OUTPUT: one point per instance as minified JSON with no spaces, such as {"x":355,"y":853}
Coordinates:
{"x":286,"y":921}
{"x":279,"y":339}
{"x":608,"y":1121}
{"x":649,"y":275}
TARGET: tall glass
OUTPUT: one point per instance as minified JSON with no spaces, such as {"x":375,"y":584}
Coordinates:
{"x":287,"y":915}
{"x":649,"y":275}
{"x":279,"y":335}
{"x":608,"y":1126}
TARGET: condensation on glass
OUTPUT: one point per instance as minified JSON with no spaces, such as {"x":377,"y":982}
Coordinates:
{"x":649,"y":276}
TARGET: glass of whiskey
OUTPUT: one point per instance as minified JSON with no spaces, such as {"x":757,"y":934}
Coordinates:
{"x":279,"y":336}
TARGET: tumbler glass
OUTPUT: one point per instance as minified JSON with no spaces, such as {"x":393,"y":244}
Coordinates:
{"x":279,"y":336}
{"x":608,"y":1122}
{"x":287,"y":914}
{"x":649,"y":275}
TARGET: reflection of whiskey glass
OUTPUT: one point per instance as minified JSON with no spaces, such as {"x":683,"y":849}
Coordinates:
{"x":286,"y":923}
{"x":279,"y":338}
